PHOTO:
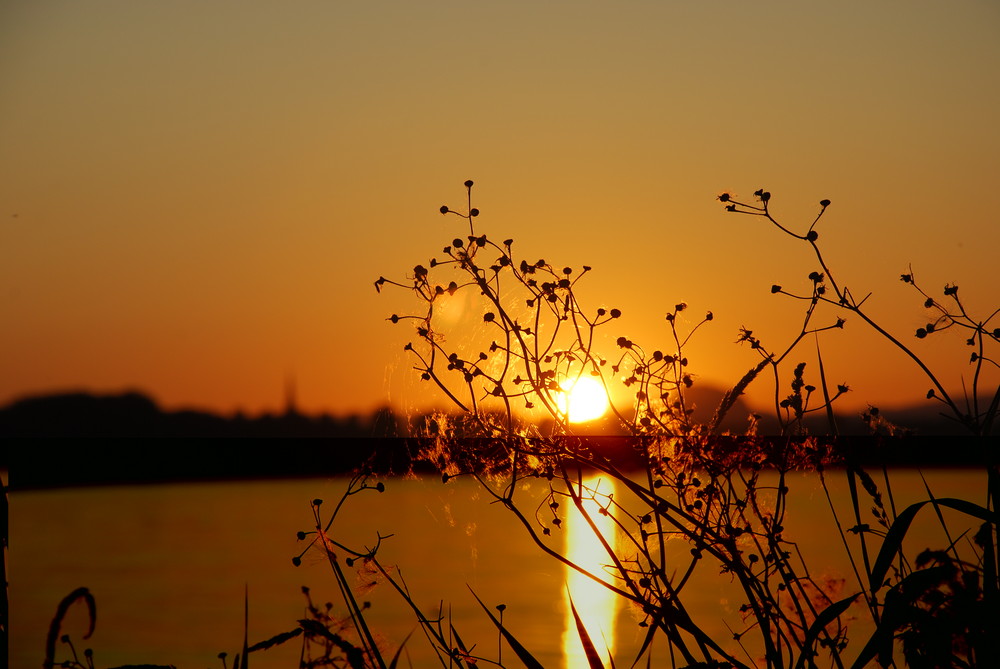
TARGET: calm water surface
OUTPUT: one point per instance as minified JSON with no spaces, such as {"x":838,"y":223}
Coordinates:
{"x":168,"y":565}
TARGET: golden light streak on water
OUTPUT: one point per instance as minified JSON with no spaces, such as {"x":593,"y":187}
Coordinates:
{"x":594,"y":603}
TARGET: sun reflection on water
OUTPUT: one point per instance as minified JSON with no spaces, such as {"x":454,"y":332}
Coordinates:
{"x":594,"y":603}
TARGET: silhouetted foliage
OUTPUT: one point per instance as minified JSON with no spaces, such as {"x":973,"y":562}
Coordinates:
{"x":691,"y":483}
{"x":688,"y":499}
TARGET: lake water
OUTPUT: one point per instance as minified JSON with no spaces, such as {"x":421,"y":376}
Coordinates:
{"x":168,"y":565}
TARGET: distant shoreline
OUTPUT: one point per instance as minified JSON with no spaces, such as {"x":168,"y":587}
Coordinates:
{"x":37,"y":464}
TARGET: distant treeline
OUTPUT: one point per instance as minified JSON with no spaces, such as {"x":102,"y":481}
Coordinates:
{"x":134,"y":414}
{"x":82,"y":439}
{"x":76,"y":439}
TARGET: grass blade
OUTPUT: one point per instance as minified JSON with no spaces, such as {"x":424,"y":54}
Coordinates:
{"x":940,"y":516}
{"x":898,"y":607}
{"x":588,"y":645}
{"x":399,"y":651}
{"x":880,"y":644}
{"x":894,"y":537}
{"x":461,"y":646}
{"x":646,"y":643}
{"x":990,"y":650}
{"x":828,"y":615}
{"x":522,"y":653}
{"x":826,"y":391}
{"x":245,"y":655}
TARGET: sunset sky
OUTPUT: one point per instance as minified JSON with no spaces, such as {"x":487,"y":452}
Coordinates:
{"x":196,"y":197}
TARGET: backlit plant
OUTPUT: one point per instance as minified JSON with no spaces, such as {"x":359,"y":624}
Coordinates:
{"x":972,"y":412}
{"x":689,"y":501}
{"x":724,"y":498}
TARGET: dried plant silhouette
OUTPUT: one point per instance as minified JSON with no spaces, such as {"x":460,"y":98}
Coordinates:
{"x":690,"y":502}
{"x":970,"y":412}
{"x":537,"y":336}
{"x":541,"y":340}
{"x":724,"y":498}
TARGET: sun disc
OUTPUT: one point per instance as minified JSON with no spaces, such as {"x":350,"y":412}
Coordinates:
{"x":586,"y":399}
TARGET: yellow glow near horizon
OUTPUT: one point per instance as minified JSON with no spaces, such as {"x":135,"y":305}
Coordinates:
{"x":583,"y":400}
{"x":594,"y":603}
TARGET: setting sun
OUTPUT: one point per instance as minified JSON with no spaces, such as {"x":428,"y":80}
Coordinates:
{"x":583,"y":400}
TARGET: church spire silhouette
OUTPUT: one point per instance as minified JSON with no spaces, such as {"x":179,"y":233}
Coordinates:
{"x":291,"y":404}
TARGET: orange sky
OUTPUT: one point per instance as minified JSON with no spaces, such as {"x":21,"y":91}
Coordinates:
{"x":195,"y":197}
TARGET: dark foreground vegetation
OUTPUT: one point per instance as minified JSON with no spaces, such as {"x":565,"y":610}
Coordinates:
{"x":695,"y":499}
